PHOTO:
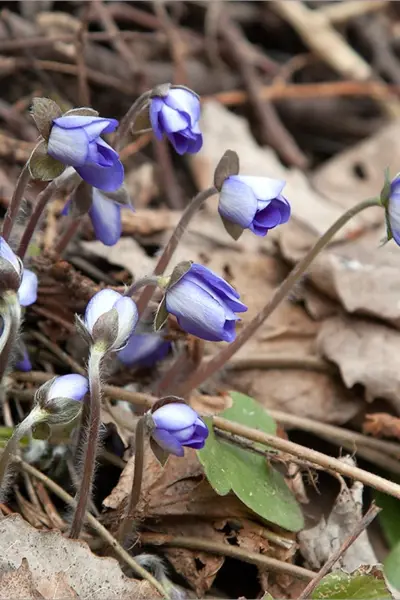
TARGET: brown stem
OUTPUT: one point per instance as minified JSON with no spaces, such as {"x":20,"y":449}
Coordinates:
{"x":359,"y":528}
{"x":40,"y":205}
{"x":12,"y":321}
{"x":69,"y":233}
{"x":137,"y":481}
{"x":175,"y":238}
{"x":208,"y":369}
{"x":15,"y":203}
{"x":323,"y":460}
{"x":92,"y":443}
{"x":129,"y":119}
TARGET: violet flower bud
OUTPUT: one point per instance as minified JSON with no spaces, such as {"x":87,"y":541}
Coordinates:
{"x":254,"y":203}
{"x":23,"y":362}
{"x":144,"y":349}
{"x":110,"y":319}
{"x":75,"y":141}
{"x":177,"y":425}
{"x":392,"y":208}
{"x":14,"y":277}
{"x":175,"y":112}
{"x":204,"y":304}
{"x":60,"y":399}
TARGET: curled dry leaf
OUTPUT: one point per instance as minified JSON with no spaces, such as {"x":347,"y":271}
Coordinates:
{"x":50,"y":554}
{"x":318,"y":543}
{"x":366,"y":353}
{"x":382,"y":425}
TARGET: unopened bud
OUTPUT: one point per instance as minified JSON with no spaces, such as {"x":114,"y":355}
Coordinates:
{"x":60,"y":399}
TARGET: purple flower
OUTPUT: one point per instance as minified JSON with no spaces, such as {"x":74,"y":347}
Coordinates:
{"x":393,"y":210}
{"x":13,"y":276}
{"x":144,"y":349}
{"x":60,"y":399}
{"x":75,"y":141}
{"x":23,"y":362}
{"x":254,"y":203}
{"x":70,"y":386}
{"x":177,"y":115}
{"x":178,"y":425}
{"x":99,"y":321}
{"x":204,"y":305}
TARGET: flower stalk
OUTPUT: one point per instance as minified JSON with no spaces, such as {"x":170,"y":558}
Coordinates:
{"x":15,"y":203}
{"x":92,"y":440}
{"x":208,"y":369}
{"x":172,"y":245}
{"x":137,"y":480}
{"x":11,"y":313}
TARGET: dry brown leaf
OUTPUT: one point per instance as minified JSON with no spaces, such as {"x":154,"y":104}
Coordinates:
{"x":382,"y":425}
{"x":366,"y":353}
{"x":318,"y":543}
{"x":125,"y":253}
{"x":18,"y":584}
{"x":49,"y":553}
{"x":56,"y":586}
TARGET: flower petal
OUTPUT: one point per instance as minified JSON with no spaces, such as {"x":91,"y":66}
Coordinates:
{"x":184,"y":435}
{"x":173,"y":120}
{"x":107,"y":179}
{"x":69,"y":146}
{"x":197,"y":312}
{"x":394,"y":216}
{"x":196,"y":443}
{"x":9,"y":255}
{"x":174,"y":416}
{"x":94,"y":125}
{"x":184,"y":101}
{"x":168,"y":442}
{"x":237,"y":202}
{"x":155,"y":108}
{"x":106,"y":218}
{"x":23,"y":362}
{"x":264,"y":188}
{"x":101,"y":303}
{"x":127,"y":319}
{"x":27,"y":292}
{"x":226,"y":292}
{"x":69,"y":386}
{"x":144,"y":349}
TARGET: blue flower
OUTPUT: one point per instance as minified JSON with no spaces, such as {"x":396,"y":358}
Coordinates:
{"x":27,"y":291}
{"x":178,"y":425}
{"x":23,"y":362}
{"x":177,"y":116}
{"x":254,"y":203}
{"x":101,"y":328}
{"x":393,"y":210}
{"x":204,"y":305}
{"x":13,"y":276}
{"x":70,"y":386}
{"x":75,"y":141}
{"x":144,"y":349}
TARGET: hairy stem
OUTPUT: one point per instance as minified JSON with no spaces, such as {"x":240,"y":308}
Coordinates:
{"x":12,"y":445}
{"x":129,"y":119}
{"x":137,"y":481}
{"x":15,"y":203}
{"x":215,"y":364}
{"x":136,"y":285}
{"x":170,"y":248}
{"x":92,"y":442}
{"x":323,"y":460}
{"x":40,"y":205}
{"x":11,"y":313}
{"x":69,"y":233}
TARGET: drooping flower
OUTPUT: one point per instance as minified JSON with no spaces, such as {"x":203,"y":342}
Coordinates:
{"x":204,"y":304}
{"x":61,"y":398}
{"x":14,"y":277}
{"x":75,"y":141}
{"x":110,"y":319}
{"x":178,"y":425}
{"x":254,"y":203}
{"x":144,"y":349}
{"x":392,"y":208}
{"x":176,"y":114}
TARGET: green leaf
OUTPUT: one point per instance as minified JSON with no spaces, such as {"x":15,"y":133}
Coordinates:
{"x":359,"y":585}
{"x":389,"y":517}
{"x":392,"y":567}
{"x":249,"y":475}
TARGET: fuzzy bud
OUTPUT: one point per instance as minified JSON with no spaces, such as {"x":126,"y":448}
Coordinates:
{"x":60,"y":399}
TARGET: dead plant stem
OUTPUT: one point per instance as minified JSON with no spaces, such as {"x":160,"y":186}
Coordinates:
{"x":15,"y":202}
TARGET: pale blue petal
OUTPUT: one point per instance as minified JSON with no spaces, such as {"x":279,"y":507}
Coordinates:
{"x":69,"y":386}
{"x":69,"y":146}
{"x":167,"y":442}
{"x":101,"y":303}
{"x":174,"y":416}
{"x":263,"y":188}
{"x":108,"y":179}
{"x":27,"y":292}
{"x":172,"y":121}
{"x":184,"y":101}
{"x":106,"y":218}
{"x":8,"y":254}
{"x":237,"y":202}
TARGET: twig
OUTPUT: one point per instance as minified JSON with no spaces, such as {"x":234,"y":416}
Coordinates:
{"x":15,"y":202}
{"x":195,"y":543}
{"x":323,"y":460}
{"x":369,"y":516}
{"x":167,"y":175}
{"x":70,"y":231}
{"x":53,"y":317}
{"x":56,"y":350}
{"x":273,"y":361}
{"x":272,"y":131}
{"x":176,"y":45}
{"x":340,"y":13}
{"x":80,"y":45}
{"x":94,"y":523}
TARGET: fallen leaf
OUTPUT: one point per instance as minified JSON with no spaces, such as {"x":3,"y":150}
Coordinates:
{"x":367,"y":583}
{"x":382,"y":425}
{"x":126,"y":253}
{"x":366,"y":353}
{"x":319,"y":542}
{"x":18,"y":584}
{"x":49,"y":554}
